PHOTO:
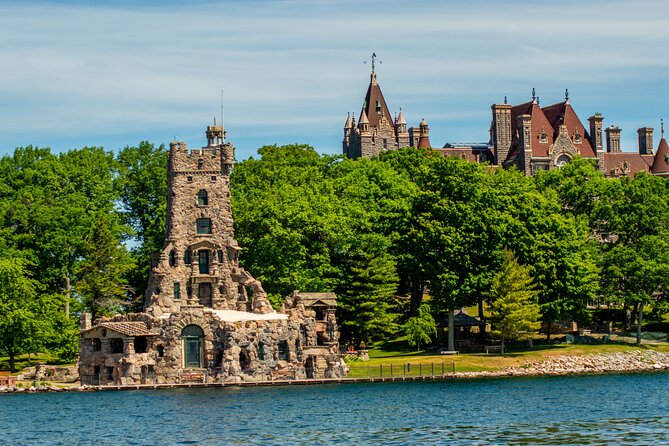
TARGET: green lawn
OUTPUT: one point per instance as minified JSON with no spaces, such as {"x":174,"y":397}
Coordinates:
{"x":384,"y":356}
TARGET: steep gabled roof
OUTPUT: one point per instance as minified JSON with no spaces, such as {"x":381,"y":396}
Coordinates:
{"x":539,"y":124}
{"x":661,"y":161}
{"x":563,"y":113}
{"x":125,"y":328}
{"x":372,"y":98}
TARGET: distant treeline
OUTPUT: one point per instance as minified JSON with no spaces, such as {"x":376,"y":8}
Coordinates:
{"x":384,"y":234}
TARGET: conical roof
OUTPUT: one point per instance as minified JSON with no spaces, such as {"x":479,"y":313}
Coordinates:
{"x":363,"y":118}
{"x":349,"y":123}
{"x":661,"y":161}
{"x":375,"y":105}
{"x":400,"y":118}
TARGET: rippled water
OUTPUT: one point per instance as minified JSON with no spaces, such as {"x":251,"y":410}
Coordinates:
{"x":602,"y":410}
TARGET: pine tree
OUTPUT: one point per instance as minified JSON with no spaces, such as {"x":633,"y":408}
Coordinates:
{"x":514,"y":301}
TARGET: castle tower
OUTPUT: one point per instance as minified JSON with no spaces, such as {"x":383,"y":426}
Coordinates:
{"x":199,"y":265}
{"x":424,"y":139}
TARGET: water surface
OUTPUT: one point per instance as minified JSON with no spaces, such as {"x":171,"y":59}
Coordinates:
{"x":582,"y":410}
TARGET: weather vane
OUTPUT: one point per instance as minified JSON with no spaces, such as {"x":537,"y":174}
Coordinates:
{"x":374,"y":56}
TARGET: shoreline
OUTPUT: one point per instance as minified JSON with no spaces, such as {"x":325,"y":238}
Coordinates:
{"x":635,"y":361}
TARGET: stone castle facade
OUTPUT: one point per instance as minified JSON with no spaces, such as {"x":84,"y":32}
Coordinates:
{"x":206,"y":319}
{"x":526,"y":136}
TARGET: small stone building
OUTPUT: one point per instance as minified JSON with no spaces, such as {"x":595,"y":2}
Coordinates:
{"x":205,"y":318}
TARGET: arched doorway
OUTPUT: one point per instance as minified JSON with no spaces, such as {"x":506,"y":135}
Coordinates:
{"x":192,"y":337}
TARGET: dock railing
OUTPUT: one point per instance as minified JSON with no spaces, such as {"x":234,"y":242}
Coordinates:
{"x":432,"y":369}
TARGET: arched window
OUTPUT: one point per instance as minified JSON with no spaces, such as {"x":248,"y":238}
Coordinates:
{"x":202,"y":198}
{"x":192,"y":337}
{"x":562,"y":160}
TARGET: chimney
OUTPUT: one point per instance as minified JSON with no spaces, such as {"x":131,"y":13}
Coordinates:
{"x":613,"y":139}
{"x":596,"y":131}
{"x":501,"y":131}
{"x":645,"y":140}
{"x":86,"y":321}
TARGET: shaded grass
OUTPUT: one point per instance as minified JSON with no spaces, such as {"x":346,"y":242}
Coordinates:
{"x":23,"y":361}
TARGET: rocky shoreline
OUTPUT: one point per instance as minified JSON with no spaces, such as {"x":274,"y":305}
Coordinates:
{"x":635,"y":361}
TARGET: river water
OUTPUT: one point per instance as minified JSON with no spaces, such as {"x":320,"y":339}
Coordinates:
{"x":579,"y":410}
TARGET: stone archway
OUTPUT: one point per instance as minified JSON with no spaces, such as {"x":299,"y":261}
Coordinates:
{"x":192,"y":338}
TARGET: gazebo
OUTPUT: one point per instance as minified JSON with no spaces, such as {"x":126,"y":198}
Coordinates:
{"x":465,"y":338}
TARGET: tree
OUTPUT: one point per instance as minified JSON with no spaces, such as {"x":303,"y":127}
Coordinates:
{"x":514,"y":300}
{"x":20,"y":324}
{"x":420,"y":328}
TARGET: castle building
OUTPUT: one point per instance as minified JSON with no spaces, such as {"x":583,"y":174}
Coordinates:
{"x":534,"y":138}
{"x":376,"y":131}
{"x":205,"y":318}
{"x":526,"y":136}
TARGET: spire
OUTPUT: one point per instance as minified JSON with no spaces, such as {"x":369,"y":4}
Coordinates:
{"x":373,"y":75}
{"x":534,"y":95}
{"x":662,"y":126}
{"x":348,"y":124}
{"x":363,"y":118}
{"x":400,"y":118}
{"x":566,"y":95}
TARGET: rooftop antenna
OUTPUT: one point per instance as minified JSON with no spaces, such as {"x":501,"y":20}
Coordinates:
{"x":222,"y":117}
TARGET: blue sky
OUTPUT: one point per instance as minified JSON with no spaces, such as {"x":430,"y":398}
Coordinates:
{"x":112,"y":74}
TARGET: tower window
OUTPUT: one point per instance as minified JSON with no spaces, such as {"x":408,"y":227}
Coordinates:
{"x":187,"y":257}
{"x":173,"y":258}
{"x":202,"y":198}
{"x":203,"y":225}
{"x":283,"y":350}
{"x":203,"y":263}
{"x":220,"y":256}
{"x":177,"y":291}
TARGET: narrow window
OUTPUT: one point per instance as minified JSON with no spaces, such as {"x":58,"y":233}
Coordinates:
{"x":283,"y":350}
{"x":261,"y":352}
{"x":187,"y":257}
{"x":202,"y":198}
{"x":140,"y":344}
{"x":97,"y":344}
{"x":203,"y":225}
{"x":189,"y":179}
{"x":161,"y":351}
{"x":116,"y":345}
{"x":109,"y":373}
{"x":203,"y":261}
{"x":173,"y":258}
{"x":177,"y":291}
{"x":220,"y":256}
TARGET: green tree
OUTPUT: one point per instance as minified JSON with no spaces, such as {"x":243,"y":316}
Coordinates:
{"x":514,"y":303}
{"x":20,"y":322}
{"x":420,"y":328}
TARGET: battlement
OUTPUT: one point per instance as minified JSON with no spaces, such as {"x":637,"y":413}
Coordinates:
{"x":213,"y":158}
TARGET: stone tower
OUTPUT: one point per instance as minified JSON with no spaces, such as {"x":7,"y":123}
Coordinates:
{"x":501,"y":131}
{"x":199,"y":263}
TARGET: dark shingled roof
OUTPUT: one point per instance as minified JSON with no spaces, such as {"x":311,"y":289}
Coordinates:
{"x":126,"y":328}
{"x":373,"y":96}
{"x":462,"y":320}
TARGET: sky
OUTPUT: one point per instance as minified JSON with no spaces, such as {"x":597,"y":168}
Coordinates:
{"x":112,"y":74}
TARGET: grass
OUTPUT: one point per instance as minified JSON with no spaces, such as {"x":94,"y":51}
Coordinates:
{"x":397,"y":354}
{"x":23,"y":361}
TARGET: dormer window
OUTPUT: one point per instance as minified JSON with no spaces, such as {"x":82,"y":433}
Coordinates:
{"x":543,"y":137}
{"x":378,"y":107}
{"x":577,"y":137}
{"x":200,"y":164}
{"x":202,"y":198}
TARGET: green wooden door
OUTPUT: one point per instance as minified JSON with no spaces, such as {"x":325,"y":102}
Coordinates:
{"x":192,"y":351}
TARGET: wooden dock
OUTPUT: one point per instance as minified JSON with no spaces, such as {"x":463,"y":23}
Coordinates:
{"x":287,"y":382}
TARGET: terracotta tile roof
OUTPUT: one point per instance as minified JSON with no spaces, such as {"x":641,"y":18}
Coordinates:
{"x":661,"y":162}
{"x":468,"y":153}
{"x":127,"y":328}
{"x":424,"y":142}
{"x":634,"y":163}
{"x":563,"y":113}
{"x":539,"y":124}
